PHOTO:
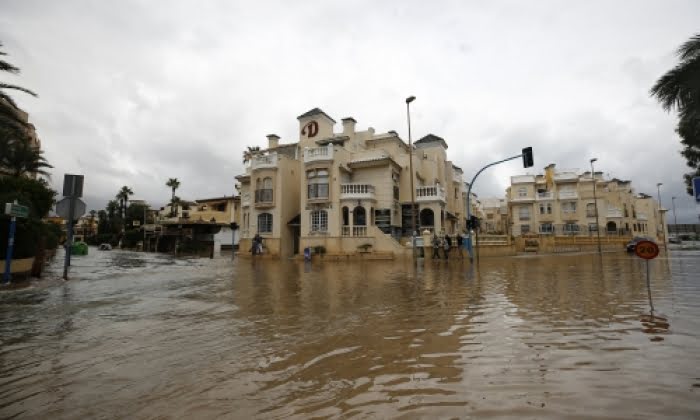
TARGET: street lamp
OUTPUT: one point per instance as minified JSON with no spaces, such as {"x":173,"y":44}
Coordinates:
{"x":410,"y":168}
{"x":661,"y":215}
{"x":595,"y":203}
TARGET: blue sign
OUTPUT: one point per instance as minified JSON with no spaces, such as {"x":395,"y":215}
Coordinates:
{"x":696,"y":189}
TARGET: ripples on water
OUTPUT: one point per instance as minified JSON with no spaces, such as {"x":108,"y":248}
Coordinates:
{"x":150,"y":336}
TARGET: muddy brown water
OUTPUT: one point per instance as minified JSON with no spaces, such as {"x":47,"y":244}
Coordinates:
{"x":137,"y":335}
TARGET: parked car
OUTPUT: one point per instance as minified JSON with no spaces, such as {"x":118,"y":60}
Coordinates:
{"x":631,"y":245}
{"x":674,"y":240}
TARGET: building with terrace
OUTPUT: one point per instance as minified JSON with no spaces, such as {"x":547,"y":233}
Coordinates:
{"x":347,"y":191}
{"x":561,"y":203}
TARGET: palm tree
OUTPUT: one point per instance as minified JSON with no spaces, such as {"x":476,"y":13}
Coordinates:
{"x":19,"y":157}
{"x":123,"y":197}
{"x":9,"y":111}
{"x":174,"y":184}
{"x":112,"y":207}
{"x":248,"y":154}
{"x":679,"y":89}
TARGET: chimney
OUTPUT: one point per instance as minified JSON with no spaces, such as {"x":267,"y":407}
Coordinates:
{"x":349,"y":126}
{"x":273,"y":140}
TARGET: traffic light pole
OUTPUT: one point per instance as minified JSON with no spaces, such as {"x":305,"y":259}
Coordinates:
{"x":468,"y":242}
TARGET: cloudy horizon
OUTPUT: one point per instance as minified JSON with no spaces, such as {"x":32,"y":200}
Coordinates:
{"x":134,"y":92}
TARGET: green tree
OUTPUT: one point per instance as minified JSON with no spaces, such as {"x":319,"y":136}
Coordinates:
{"x":679,"y":89}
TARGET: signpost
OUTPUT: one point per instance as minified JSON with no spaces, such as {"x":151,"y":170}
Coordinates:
{"x":69,"y":208}
{"x":647,"y":250}
{"x":14,"y":210}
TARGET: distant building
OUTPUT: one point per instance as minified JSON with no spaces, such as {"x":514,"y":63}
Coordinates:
{"x":561,"y":202}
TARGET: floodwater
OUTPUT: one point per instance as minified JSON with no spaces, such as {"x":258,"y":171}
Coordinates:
{"x":136,"y":335}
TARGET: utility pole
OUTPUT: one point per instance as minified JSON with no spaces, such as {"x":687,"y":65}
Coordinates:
{"x":595,"y":203}
{"x":410,"y":168}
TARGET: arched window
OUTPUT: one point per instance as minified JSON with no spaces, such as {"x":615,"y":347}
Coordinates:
{"x":427,"y":217}
{"x":611,"y":227}
{"x":319,"y":221}
{"x":264,"y":223}
{"x":267,"y":183}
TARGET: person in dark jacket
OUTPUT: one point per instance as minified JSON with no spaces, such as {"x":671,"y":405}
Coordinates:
{"x":448,"y":244}
{"x":436,"y":246}
{"x":460,"y":242}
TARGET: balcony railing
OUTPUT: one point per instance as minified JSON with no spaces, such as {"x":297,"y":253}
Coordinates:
{"x":642,"y":216}
{"x":264,"y":161}
{"x":545,"y":196}
{"x":519,"y":197}
{"x":356,"y":191}
{"x":568,"y":195}
{"x":353,"y":230}
{"x":264,"y":196}
{"x":430,"y":193}
{"x":313,"y":154}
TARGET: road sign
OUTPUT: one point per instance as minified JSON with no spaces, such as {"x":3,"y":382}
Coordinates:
{"x":73,"y":185}
{"x":696,"y":189}
{"x":647,"y":250}
{"x":16,"y":210}
{"x":63,"y":208}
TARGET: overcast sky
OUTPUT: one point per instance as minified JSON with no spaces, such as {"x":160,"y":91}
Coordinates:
{"x":136,"y":92}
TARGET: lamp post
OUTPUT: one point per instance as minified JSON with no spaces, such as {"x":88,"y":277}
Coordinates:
{"x":661,"y":215}
{"x":410,"y":168}
{"x":595,"y":203}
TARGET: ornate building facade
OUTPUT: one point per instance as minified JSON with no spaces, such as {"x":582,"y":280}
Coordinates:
{"x":347,"y":191}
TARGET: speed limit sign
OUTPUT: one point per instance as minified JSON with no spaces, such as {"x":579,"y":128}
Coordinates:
{"x":647,"y":250}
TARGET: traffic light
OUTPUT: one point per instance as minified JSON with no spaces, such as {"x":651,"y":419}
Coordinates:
{"x":528,"y":160}
{"x":234,"y":226}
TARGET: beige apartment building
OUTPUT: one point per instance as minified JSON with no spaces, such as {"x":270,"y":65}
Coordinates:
{"x":561,"y":203}
{"x":347,"y":191}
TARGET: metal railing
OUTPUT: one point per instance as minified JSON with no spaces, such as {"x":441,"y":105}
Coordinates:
{"x":428,"y":193}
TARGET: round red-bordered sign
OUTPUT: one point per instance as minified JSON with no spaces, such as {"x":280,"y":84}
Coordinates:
{"x":647,"y":250}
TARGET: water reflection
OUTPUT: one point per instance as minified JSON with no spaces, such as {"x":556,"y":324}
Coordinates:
{"x":145,"y":335}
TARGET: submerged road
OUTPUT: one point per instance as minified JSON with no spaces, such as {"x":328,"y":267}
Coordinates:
{"x":136,"y":335}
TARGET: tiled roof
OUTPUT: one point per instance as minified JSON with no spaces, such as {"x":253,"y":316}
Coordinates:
{"x":314,"y":111}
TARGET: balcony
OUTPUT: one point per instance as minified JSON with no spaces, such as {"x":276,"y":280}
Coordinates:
{"x":642,"y":216}
{"x":522,"y":179}
{"x":568,"y":195}
{"x":522,"y":199}
{"x":614,"y":213}
{"x":357,"y":192}
{"x":541,"y":196}
{"x":264,"y":197}
{"x":430,"y":193}
{"x":566,"y":175}
{"x":316,"y":154}
{"x":264,"y":161}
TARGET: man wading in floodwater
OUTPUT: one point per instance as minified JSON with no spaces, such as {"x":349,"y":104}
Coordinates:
{"x":257,"y":244}
{"x":436,"y":247}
